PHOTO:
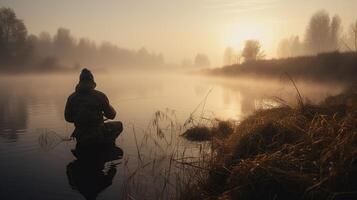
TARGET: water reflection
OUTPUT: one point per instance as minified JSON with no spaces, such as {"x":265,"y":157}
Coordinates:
{"x":32,"y":103}
{"x":247,"y":95}
{"x":13,"y":114}
{"x":88,"y":174}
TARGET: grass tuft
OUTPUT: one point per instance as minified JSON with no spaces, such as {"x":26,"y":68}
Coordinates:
{"x":303,"y":152}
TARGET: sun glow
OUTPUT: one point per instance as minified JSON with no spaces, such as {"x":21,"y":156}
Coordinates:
{"x":236,"y":35}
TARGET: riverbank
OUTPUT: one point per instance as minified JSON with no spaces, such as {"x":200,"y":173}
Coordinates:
{"x":290,"y":152}
{"x":324,"y":67}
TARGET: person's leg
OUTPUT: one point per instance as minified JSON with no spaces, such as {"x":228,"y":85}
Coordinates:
{"x":115,"y":126}
{"x":112,"y":130}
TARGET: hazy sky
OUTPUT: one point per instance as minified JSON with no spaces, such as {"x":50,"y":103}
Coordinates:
{"x":179,"y":28}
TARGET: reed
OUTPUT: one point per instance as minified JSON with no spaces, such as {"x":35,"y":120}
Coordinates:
{"x":290,"y":152}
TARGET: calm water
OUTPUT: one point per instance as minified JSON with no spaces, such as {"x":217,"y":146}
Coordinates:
{"x":33,"y":105}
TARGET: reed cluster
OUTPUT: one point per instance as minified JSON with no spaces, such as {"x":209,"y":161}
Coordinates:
{"x":289,"y":152}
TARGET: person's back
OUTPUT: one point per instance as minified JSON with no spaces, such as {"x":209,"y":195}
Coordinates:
{"x":87,"y":107}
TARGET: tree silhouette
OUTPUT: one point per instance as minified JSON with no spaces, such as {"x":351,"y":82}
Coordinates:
{"x":322,"y":33}
{"x":64,"y":44}
{"x":354,"y":35}
{"x":202,"y":60}
{"x":290,"y":47}
{"x":317,"y":32}
{"x":13,"y":35}
{"x":229,"y":56}
{"x":252,"y":51}
{"x":335,"y":32}
{"x":62,"y":51}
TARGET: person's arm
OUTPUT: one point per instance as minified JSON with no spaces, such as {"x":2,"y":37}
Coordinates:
{"x":108,"y":110}
{"x":68,"y":113}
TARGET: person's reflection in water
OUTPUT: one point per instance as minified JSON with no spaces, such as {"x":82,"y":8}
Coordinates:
{"x":88,"y":174}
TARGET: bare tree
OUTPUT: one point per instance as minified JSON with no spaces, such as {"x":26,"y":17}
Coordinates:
{"x":252,"y":51}
{"x":350,"y":40}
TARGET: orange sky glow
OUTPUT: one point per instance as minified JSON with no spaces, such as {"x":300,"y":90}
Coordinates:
{"x":179,"y":29}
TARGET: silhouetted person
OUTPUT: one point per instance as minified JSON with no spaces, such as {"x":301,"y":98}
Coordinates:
{"x":88,"y":175}
{"x":86,"y":108}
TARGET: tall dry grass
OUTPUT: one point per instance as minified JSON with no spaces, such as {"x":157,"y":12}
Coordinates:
{"x":290,"y":152}
{"x":166,"y":165}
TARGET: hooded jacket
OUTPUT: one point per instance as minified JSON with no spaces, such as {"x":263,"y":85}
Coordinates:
{"x":87,"y":107}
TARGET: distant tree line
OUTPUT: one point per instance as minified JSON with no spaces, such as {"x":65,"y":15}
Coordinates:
{"x":329,"y":67}
{"x":21,"y":51}
{"x":323,"y":34}
{"x":202,"y":60}
{"x":251,"y":51}
{"x":199,"y":61}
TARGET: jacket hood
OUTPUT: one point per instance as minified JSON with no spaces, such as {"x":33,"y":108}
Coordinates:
{"x":85,"y":86}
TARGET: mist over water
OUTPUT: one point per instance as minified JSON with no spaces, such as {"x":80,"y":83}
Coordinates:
{"x":187,"y":80}
{"x":32,"y":104}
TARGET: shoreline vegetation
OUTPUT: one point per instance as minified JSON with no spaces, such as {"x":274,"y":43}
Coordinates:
{"x":288,"y":152}
{"x":324,"y":67}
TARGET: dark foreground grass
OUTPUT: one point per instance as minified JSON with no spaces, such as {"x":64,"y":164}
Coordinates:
{"x":301,"y":152}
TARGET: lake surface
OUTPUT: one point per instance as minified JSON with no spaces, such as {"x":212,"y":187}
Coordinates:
{"x":31,"y":105}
